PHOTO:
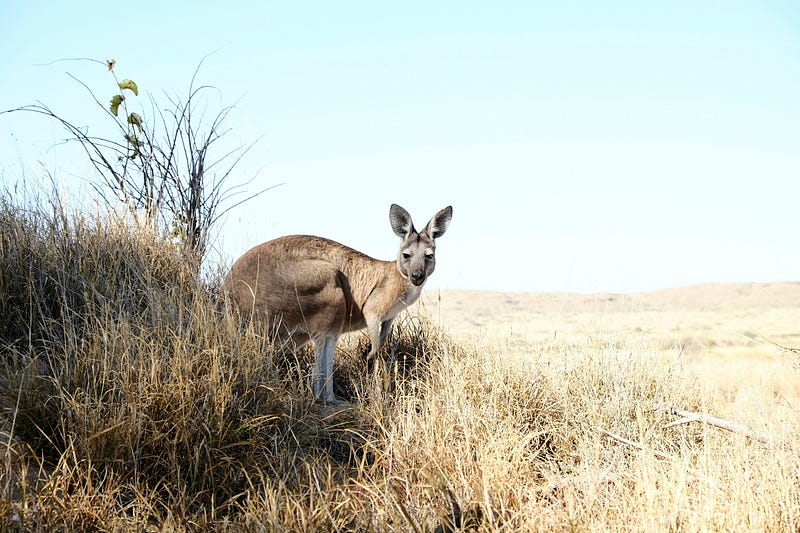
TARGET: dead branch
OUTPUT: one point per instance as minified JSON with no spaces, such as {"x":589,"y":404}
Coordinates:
{"x":633,"y":443}
{"x":786,"y":350}
{"x":781,"y":347}
{"x":684,"y":420}
{"x":722,"y":423}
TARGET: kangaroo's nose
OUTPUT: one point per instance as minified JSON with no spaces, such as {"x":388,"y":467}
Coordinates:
{"x":417,"y":277}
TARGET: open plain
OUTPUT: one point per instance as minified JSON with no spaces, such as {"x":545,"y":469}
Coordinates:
{"x":726,"y":337}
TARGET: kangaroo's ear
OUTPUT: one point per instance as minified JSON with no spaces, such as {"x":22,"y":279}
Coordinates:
{"x":438,"y":224}
{"x":401,"y":221}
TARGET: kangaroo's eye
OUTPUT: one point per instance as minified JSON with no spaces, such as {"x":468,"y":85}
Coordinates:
{"x":428,"y":257}
{"x":406,"y":255}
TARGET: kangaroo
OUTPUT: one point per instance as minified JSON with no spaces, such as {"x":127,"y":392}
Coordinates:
{"x":308,"y":288}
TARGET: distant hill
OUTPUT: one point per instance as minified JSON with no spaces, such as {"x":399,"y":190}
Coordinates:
{"x":695,"y":297}
{"x":728,"y":313}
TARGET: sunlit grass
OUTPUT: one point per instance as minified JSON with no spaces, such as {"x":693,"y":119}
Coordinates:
{"x":130,"y":399}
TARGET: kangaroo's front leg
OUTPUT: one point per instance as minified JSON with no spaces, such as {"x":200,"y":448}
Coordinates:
{"x":386,"y":328}
{"x":377,"y":331}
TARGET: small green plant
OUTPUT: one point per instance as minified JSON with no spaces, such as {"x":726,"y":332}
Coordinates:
{"x":163,"y":166}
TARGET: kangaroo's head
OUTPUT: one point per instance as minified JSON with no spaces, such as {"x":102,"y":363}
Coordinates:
{"x":417,"y":256}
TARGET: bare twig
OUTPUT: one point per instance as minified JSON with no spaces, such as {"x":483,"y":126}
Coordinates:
{"x":789,"y":349}
{"x":89,"y":59}
{"x":722,"y":423}
{"x":684,"y":420}
{"x":633,"y":443}
{"x":781,"y":346}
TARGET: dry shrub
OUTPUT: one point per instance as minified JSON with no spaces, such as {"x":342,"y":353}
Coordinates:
{"x":117,"y":362}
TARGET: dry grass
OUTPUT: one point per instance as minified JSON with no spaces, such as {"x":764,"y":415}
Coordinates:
{"x":702,"y":348}
{"x":130,"y":401}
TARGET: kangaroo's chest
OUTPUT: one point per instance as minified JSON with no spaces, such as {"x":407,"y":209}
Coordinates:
{"x":404,"y":300}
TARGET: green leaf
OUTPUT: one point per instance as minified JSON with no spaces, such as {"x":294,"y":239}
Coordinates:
{"x":132,"y":140}
{"x":130,"y":85}
{"x":116,"y":100}
{"x":136,"y":120}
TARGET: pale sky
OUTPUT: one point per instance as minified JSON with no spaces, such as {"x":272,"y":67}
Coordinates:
{"x":584,"y":146}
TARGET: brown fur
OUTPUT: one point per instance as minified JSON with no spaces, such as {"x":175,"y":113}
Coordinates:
{"x":311,"y":288}
{"x":319,"y":284}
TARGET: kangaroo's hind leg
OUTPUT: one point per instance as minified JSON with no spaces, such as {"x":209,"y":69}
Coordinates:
{"x":323,"y":369}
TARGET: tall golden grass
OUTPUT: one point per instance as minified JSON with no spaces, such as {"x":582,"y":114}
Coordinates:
{"x":130,"y":400}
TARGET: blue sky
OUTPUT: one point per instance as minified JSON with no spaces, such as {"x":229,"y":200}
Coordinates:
{"x":584,"y":146}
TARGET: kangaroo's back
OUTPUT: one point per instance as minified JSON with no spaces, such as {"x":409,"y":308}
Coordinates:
{"x":296,"y":281}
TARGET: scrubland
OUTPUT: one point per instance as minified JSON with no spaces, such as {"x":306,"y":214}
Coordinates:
{"x":131,"y":400}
